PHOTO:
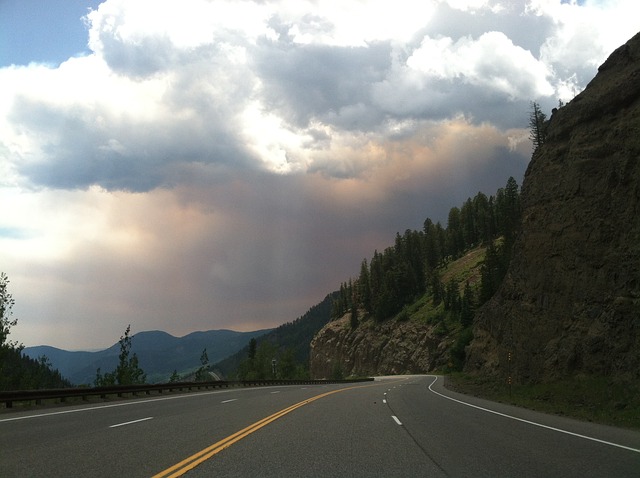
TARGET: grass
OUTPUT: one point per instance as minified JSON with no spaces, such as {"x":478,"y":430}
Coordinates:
{"x":593,"y":399}
{"x":466,"y":268}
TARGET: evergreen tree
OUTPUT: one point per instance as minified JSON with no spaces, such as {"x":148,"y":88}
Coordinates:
{"x":455,"y":236}
{"x":511,"y":213}
{"x":452,"y":296}
{"x":260,"y":366}
{"x":201,"y":374}
{"x":253,"y":346}
{"x":484,"y":218}
{"x":353,"y":317}
{"x":6,"y":306}
{"x":364,"y":285}
{"x":128,"y":371}
{"x":437,"y":290}
{"x":467,"y":306}
{"x":287,"y":368}
{"x":536,"y":126}
{"x":432,"y":250}
{"x":469,"y":221}
{"x":491,"y":273}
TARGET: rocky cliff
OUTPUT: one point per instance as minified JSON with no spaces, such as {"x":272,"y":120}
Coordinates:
{"x":376,"y":349}
{"x":570,"y":302}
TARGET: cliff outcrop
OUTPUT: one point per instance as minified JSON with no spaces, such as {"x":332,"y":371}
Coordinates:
{"x":570,"y":302}
{"x":387,"y":348}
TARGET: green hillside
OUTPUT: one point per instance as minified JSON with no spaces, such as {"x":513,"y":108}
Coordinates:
{"x":287,"y":344}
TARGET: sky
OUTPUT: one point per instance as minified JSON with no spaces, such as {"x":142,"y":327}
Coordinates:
{"x":211,"y":164}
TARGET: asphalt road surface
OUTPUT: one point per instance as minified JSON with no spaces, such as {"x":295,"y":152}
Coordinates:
{"x":396,"y":426}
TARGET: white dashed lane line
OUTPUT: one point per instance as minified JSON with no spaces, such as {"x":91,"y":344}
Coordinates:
{"x":130,"y":423}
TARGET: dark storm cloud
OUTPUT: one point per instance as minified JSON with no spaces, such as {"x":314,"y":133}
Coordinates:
{"x":526,"y":31}
{"x":146,"y":57}
{"x":84,"y":145}
{"x":306,"y":82}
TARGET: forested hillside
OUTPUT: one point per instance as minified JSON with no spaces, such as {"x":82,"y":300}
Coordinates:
{"x":287,"y":344}
{"x":404,"y":272}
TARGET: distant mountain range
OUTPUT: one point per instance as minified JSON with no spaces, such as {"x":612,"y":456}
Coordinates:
{"x":159,"y":354}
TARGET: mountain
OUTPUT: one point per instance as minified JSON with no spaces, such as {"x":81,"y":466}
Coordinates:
{"x":293,"y":336}
{"x":570,"y":302}
{"x":159,"y":354}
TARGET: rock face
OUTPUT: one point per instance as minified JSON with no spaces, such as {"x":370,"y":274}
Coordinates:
{"x":376,"y":349}
{"x":570,"y":302}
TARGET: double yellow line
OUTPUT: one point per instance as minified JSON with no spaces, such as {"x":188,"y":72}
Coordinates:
{"x":190,"y":463}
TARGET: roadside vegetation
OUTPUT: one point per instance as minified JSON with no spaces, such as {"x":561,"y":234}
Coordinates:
{"x":593,"y":399}
{"x":128,"y":371}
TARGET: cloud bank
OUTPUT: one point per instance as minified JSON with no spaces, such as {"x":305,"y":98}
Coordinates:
{"x":227,"y":163}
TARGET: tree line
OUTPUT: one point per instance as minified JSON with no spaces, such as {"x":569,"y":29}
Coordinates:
{"x":266,"y":361}
{"x":288,"y":344}
{"x":405,"y":271}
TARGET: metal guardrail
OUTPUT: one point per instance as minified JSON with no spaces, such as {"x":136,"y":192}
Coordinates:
{"x":8,"y":398}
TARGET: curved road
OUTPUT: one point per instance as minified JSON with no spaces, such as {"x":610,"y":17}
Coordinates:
{"x":396,"y":426}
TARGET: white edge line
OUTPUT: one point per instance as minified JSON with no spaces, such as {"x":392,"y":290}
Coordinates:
{"x":131,"y":422}
{"x":559,"y":430}
{"x":112,"y":405}
{"x":395,"y":419}
{"x":128,"y":402}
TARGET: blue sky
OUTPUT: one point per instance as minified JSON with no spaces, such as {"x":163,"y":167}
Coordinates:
{"x":35,"y":30}
{"x":213,"y":164}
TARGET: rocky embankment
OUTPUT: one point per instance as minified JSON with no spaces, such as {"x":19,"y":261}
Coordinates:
{"x":376,"y":349}
{"x":570,"y":303}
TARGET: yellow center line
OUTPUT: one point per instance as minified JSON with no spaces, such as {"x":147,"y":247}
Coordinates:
{"x":194,"y":460}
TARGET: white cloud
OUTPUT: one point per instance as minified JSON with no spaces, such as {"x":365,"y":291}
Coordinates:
{"x":238,"y":83}
{"x":584,"y":34}
{"x":492,"y":61}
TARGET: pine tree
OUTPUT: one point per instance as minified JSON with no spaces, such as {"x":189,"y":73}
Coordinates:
{"x":253,"y":346}
{"x":490,"y":273}
{"x":201,"y":374}
{"x":536,"y":125}
{"x":364,"y":286}
{"x":6,"y":304}
{"x":466,"y":308}
{"x":128,"y":371}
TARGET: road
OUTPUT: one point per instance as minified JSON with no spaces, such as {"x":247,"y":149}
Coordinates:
{"x":396,"y":426}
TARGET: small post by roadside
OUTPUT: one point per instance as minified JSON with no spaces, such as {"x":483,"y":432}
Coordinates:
{"x":509,"y":372}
